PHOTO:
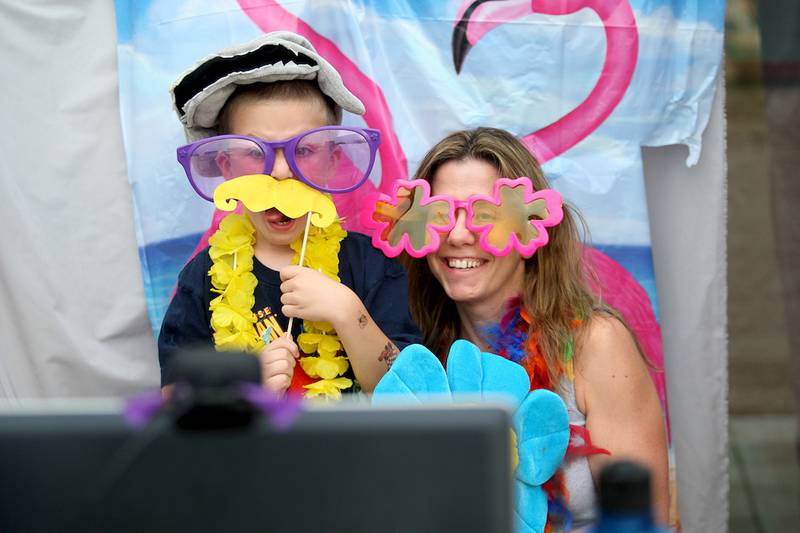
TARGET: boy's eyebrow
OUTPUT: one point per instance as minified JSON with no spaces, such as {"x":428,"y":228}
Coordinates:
{"x":220,"y":67}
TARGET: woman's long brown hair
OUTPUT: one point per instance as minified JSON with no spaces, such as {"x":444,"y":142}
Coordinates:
{"x":555,"y":291}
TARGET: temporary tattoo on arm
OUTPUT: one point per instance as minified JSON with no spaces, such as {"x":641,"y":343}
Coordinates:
{"x":389,"y":354}
{"x":362,"y":321}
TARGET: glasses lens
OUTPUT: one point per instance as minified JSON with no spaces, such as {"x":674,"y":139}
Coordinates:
{"x":411,"y":218}
{"x":215,"y":161}
{"x":439,"y":214}
{"x":333,"y":159}
{"x":507,"y":219}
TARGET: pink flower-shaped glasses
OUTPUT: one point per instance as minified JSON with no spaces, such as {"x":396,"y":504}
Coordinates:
{"x":514,"y":217}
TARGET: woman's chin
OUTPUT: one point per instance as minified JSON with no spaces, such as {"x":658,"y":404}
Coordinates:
{"x":463,"y":295}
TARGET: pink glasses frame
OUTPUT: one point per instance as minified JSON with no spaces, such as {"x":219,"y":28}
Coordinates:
{"x":552,"y":200}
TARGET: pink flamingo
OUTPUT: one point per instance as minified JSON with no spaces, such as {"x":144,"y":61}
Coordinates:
{"x":474,"y":20}
{"x":478,"y":17}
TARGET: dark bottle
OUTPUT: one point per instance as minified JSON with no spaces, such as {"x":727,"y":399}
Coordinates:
{"x":625,"y":505}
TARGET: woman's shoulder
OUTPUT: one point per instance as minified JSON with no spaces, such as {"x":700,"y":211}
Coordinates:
{"x":607,"y":359}
{"x":604,"y":329}
{"x":606,"y":342}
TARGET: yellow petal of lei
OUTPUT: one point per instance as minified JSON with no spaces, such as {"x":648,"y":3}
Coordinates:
{"x":327,"y":353}
{"x":221,"y":274}
{"x":239,"y":292}
{"x":308,"y":342}
{"x":244,"y":260}
{"x":222,"y":270}
{"x":227,"y":340}
{"x":329,"y":344}
{"x":221,"y":247}
{"x":235,"y":225}
{"x":324,"y":345}
{"x":328,"y":388}
{"x":324,"y":368}
{"x":235,"y":233}
{"x":227,"y":317}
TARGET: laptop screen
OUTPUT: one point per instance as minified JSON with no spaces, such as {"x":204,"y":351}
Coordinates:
{"x":345,"y":468}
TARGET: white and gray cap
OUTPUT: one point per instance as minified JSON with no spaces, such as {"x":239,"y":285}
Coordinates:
{"x":200,"y":93}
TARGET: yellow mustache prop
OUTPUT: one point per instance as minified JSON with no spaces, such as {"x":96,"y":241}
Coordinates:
{"x":293,"y":198}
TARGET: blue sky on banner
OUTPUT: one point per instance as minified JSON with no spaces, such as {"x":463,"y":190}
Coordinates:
{"x":507,"y":81}
{"x":690,"y":10}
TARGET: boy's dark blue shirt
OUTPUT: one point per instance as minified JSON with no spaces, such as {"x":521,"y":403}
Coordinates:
{"x":379,"y":282}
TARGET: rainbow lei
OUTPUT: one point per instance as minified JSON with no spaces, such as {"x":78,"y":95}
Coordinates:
{"x":232,"y":318}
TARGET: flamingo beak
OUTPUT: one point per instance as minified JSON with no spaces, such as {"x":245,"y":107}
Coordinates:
{"x":460,"y":43}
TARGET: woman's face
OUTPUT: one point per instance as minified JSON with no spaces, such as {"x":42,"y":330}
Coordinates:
{"x":469,"y":275}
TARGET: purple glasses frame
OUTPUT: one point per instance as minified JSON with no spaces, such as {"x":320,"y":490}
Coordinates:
{"x":372,"y":136}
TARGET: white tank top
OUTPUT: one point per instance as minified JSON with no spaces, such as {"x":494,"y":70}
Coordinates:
{"x":577,"y":475}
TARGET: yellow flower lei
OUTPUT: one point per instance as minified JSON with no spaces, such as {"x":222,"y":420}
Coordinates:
{"x":322,"y":254}
{"x":233,"y":321}
{"x":232,"y":317}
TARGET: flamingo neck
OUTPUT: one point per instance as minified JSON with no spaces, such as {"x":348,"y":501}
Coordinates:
{"x":622,"y":49}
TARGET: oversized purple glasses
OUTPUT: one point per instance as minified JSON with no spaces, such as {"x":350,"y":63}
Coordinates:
{"x":330,"y":159}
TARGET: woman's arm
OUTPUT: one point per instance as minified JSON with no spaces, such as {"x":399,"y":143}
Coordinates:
{"x":614,"y":390}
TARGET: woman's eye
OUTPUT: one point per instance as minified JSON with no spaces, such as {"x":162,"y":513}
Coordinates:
{"x":484,"y":216}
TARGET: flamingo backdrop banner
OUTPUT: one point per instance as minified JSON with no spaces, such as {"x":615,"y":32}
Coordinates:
{"x":584,"y":83}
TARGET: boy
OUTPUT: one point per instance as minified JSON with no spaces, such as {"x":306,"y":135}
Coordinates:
{"x":272,"y":89}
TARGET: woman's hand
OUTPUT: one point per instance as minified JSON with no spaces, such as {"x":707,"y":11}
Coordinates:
{"x":312,"y":295}
{"x":278,"y":359}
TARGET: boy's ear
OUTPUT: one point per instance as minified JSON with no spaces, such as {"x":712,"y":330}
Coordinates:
{"x":336,"y":154}
{"x":224,"y":163}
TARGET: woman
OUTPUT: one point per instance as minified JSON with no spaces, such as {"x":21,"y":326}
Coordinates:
{"x":569,"y":342}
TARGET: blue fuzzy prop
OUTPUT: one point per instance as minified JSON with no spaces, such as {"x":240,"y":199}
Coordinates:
{"x":541,"y":422}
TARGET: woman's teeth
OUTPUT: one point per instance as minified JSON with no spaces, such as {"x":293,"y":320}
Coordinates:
{"x":464,"y":263}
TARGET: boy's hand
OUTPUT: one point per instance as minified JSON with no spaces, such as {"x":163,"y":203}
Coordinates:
{"x":312,"y":295}
{"x":277,"y":364}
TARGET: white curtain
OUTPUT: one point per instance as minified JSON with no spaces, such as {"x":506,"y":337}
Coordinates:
{"x":73,"y":313}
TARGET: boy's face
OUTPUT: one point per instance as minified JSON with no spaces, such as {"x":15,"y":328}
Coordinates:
{"x":276,"y":120}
